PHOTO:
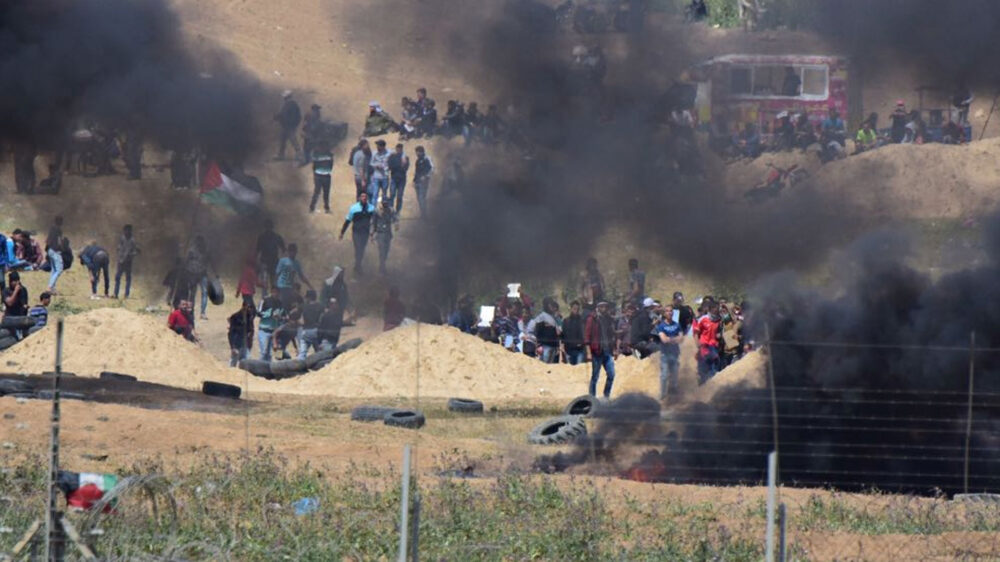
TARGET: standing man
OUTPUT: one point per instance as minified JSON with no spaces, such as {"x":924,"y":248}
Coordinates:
{"x":359,"y":164}
{"x":669,"y":333}
{"x":96,"y":259}
{"x":572,"y":335}
{"x":399,"y":165}
{"x":600,"y":336}
{"x":288,"y":117}
{"x":286,"y":274}
{"x":270,"y":245}
{"x":127,"y":251}
{"x":272,"y":315}
{"x":682,"y":313}
{"x":423,"y":168}
{"x":196,"y":268}
{"x":54,"y":251}
{"x":379,"y":183}
{"x":636,"y":282}
{"x":385,"y":221}
{"x":241,"y":333}
{"x":707,"y":330}
{"x":359,"y":218}
{"x":311,"y":126}
{"x":322,"y":160}
{"x":15,"y":299}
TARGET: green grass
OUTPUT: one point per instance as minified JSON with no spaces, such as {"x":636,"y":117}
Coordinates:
{"x":881,"y":515}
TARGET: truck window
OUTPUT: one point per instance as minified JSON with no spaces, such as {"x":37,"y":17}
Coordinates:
{"x":739,"y":80}
{"x":767,"y":80}
{"x":814,"y":81}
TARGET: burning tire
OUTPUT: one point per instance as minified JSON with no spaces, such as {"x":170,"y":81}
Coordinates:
{"x":582,"y":406}
{"x":564,"y":429}
{"x":221,"y":390}
{"x":405,"y":418}
{"x":465,"y":405}
{"x":371,"y":413}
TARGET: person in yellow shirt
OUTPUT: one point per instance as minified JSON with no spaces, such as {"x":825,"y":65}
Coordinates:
{"x":866,"y":138}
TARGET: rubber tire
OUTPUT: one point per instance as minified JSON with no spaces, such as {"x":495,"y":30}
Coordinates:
{"x":5,"y":333}
{"x":371,"y":413}
{"x":583,"y":406}
{"x":221,"y":390}
{"x":7,"y":342}
{"x":465,"y":405}
{"x":348,"y":345}
{"x":287,"y":368}
{"x":315,"y":358}
{"x":405,"y":418}
{"x":321,"y":364}
{"x":17,"y":322}
{"x":215,"y":292}
{"x":109,"y":376}
{"x":556,"y":431}
{"x":11,"y":386}
{"x":47,"y":393}
{"x":256,"y":367}
{"x":35,"y":329}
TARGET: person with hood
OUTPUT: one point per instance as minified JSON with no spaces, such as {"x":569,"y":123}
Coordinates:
{"x":127,"y":251}
{"x":385,"y":222}
{"x":546,"y":329}
{"x":240,"y":333}
{"x":96,"y":259}
{"x":288,"y":118}
{"x":600,"y":336}
{"x":708,"y":330}
{"x":378,"y":121}
{"x":359,"y":218}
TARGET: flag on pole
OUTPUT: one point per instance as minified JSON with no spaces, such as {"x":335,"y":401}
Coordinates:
{"x":237,"y":192}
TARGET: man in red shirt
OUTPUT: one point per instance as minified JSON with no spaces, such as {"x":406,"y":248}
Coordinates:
{"x":707,"y":329}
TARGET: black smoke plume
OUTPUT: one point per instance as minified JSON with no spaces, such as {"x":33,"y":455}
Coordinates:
{"x":123,"y":65}
{"x":872,"y":387}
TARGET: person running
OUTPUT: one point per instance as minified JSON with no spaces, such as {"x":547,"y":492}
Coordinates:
{"x":599,"y":334}
{"x":385,"y":221}
{"x":127,"y":251}
{"x":423,"y":168}
{"x":240,"y":333}
{"x":399,"y":165}
{"x":96,"y":259}
{"x":322,"y":161}
{"x":359,"y":218}
{"x":669,"y":334}
{"x":54,"y":244}
{"x":287,"y":272}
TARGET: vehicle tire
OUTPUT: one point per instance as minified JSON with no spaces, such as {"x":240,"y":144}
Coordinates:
{"x":256,"y":367}
{"x":9,"y":341}
{"x":221,"y":390}
{"x":563,"y":429}
{"x":18,"y":322}
{"x":465,"y":405}
{"x":371,"y":413}
{"x":582,"y":406}
{"x":405,"y":418}
{"x":287,"y":368}
{"x":109,"y":376}
{"x":215,"y":291}
{"x":12,"y":386}
{"x":324,"y":355}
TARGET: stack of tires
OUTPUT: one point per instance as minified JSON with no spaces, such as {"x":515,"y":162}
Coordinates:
{"x":10,"y":325}
{"x":570,"y":426}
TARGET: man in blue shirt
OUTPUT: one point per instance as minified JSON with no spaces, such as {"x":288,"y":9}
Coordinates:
{"x":834,"y":128}
{"x":359,"y":218}
{"x":287,"y":271}
{"x":670,"y":333}
{"x":40,"y":312}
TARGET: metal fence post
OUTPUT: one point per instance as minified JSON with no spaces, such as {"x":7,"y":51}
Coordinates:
{"x":404,"y":510}
{"x":772,"y":468}
{"x":968,"y":419}
{"x":782,"y":521}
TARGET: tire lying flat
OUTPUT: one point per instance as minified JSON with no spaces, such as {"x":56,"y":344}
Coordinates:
{"x":556,"y":431}
{"x":465,"y":405}
{"x":405,"y":418}
{"x":221,"y":390}
{"x":371,"y":413}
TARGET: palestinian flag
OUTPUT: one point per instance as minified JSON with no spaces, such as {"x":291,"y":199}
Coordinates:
{"x":237,"y":192}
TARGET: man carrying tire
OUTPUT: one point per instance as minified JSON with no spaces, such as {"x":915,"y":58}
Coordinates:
{"x":600,"y":336}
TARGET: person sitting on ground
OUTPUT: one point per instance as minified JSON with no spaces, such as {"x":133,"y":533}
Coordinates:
{"x":393,"y":310}
{"x":505,"y":326}
{"x":180,"y":320}
{"x":240,"y":333}
{"x":748,"y":141}
{"x":915,"y":132}
{"x":805,"y":132}
{"x":378,"y":121}
{"x":833,"y":128}
{"x":96,"y":259}
{"x":40,"y":312}
{"x":15,"y":298}
{"x":453,"y":120}
{"x":952,"y":132}
{"x":784,"y":132}
{"x":866,"y":139}
{"x":9,"y":259}
{"x":290,"y":332}
{"x":409,"y":118}
{"x":464,"y":317}
{"x":330,"y":324}
{"x":28,"y":250}
{"x":473,"y":123}
{"x":427,"y":123}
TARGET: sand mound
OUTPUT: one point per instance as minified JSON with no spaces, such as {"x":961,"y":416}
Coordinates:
{"x":114,"y":339}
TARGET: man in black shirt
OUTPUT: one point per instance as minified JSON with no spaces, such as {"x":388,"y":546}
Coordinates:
{"x":329,"y":325}
{"x":572,"y":335}
{"x":359,"y":218}
{"x":289,"y":117}
{"x":270,"y":246}
{"x":15,"y":300}
{"x":399,"y":164}
{"x":683,"y":314}
{"x":311,"y":313}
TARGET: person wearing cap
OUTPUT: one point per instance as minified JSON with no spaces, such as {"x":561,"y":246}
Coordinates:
{"x":96,"y":259}
{"x":378,"y":121}
{"x":288,"y":118}
{"x":641,"y":329}
{"x":359,"y":218}
{"x":423,"y":168}
{"x":378,"y":186}
{"x":669,"y":334}
{"x":898,"y":119}
{"x":599,"y":334}
{"x":322,"y":161}
{"x":384,"y":222}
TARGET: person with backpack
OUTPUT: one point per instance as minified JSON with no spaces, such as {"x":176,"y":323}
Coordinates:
{"x":127,"y":251}
{"x":359,"y":218}
{"x":97,"y":260}
{"x":54,"y":250}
